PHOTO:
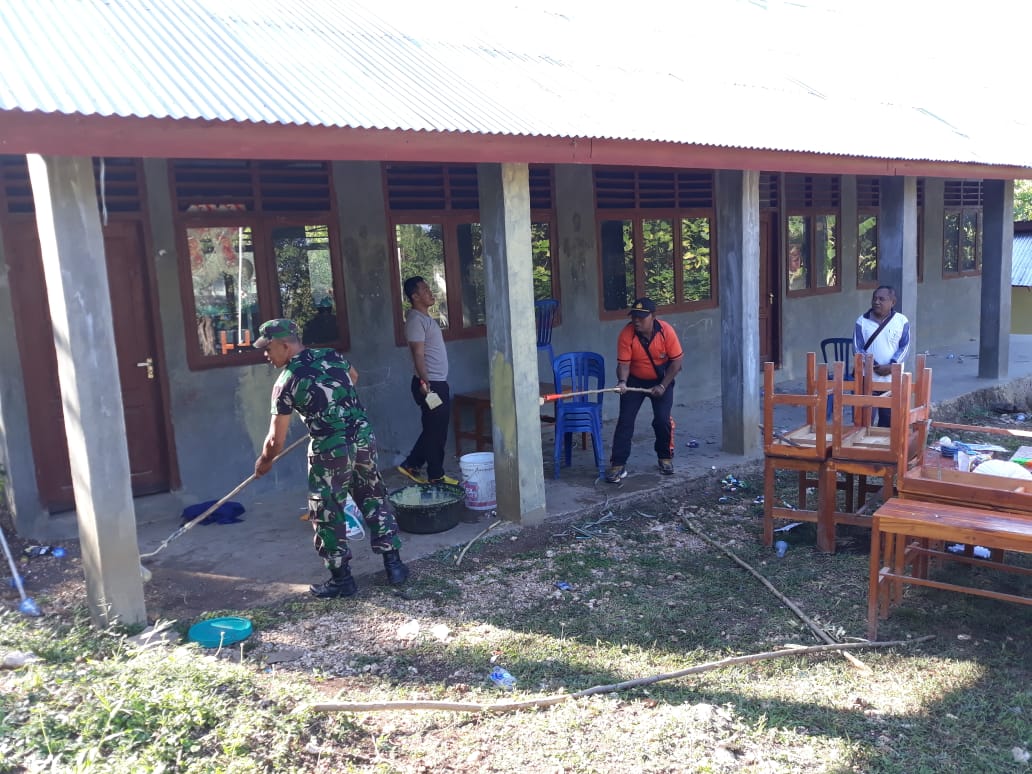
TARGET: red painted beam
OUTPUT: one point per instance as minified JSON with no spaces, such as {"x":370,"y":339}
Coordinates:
{"x":76,"y":135}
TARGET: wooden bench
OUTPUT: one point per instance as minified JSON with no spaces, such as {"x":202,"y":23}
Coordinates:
{"x":902,"y":535}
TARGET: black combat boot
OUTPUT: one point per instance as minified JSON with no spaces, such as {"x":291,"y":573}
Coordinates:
{"x":340,"y":584}
{"x":397,"y":572}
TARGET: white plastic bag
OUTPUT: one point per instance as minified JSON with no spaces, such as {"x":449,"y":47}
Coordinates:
{"x":355,"y":521}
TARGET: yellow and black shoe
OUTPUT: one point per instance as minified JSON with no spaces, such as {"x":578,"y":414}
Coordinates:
{"x":412,"y":473}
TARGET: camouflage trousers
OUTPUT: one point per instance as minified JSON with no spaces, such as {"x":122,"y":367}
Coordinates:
{"x":332,"y":475}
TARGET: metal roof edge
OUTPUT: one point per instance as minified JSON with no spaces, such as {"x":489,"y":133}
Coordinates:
{"x":66,"y":134}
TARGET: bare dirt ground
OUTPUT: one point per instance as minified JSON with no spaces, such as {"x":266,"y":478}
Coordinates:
{"x":184,"y":595}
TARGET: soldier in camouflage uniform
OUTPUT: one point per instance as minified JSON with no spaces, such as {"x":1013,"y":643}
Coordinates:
{"x":319,"y":384}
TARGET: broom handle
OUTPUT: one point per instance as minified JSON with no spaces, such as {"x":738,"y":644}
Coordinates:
{"x":560,"y":395}
{"x":14,"y":567}
{"x":218,"y":504}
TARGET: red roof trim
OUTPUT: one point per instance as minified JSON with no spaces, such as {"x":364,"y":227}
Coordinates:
{"x":75,"y":135}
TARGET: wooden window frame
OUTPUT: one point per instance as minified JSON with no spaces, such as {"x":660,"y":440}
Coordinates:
{"x":812,"y":196}
{"x":451,"y":213}
{"x":961,"y":197}
{"x":449,"y":223}
{"x":262,"y":223}
{"x":861,"y":214}
{"x":636,"y":217}
{"x":960,"y":212}
{"x":812,"y":213}
{"x":639,"y":194}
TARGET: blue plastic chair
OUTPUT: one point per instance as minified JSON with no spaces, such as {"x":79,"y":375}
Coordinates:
{"x":577,"y":372}
{"x":544,"y":316}
{"x":841,"y":350}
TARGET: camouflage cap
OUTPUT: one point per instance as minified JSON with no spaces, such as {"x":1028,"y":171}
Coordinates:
{"x":275,"y":329}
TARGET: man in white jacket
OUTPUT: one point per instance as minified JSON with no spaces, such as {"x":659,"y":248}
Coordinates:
{"x":883,"y":332}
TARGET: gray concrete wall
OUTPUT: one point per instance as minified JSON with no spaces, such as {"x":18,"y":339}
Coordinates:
{"x":16,"y":463}
{"x":947,"y":309}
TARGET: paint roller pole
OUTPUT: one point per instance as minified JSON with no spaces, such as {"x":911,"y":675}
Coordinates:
{"x":562,"y":395}
{"x":145,"y":572}
{"x":28,"y":605}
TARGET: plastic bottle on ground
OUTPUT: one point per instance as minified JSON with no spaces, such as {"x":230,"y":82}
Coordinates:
{"x":781,"y":547}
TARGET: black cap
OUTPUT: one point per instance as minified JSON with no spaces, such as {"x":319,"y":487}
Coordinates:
{"x":643,"y":307}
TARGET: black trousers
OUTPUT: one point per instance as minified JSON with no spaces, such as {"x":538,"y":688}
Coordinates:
{"x":630,"y":403}
{"x":883,"y":416}
{"x":429,"y":447}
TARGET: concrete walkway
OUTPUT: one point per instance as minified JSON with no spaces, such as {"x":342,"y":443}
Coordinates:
{"x":269,"y":555}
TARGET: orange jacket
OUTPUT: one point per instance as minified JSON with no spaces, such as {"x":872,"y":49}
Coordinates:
{"x":664,"y":347}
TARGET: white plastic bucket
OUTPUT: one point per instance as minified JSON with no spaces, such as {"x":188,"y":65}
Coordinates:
{"x":478,"y":480}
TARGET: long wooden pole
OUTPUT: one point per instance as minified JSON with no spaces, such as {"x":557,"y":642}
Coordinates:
{"x":511,"y":706}
{"x":215,"y":507}
{"x":821,"y":634}
{"x":560,"y":395}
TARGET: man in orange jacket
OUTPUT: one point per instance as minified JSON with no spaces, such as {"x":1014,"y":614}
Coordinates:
{"x":649,"y":355}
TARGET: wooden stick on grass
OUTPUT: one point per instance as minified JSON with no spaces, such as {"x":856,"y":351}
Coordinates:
{"x":544,"y":701}
{"x":477,"y":537}
{"x":823,"y":635}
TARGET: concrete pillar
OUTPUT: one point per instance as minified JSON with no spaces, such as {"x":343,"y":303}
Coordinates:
{"x":512,"y":342}
{"x":997,"y":247}
{"x":578,"y":267}
{"x":738,"y":263}
{"x":80,"y":310}
{"x":897,"y":245}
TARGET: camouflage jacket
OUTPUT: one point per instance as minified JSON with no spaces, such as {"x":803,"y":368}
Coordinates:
{"x":315,"y":383}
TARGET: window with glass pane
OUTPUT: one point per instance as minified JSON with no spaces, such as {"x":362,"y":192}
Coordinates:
{"x":224,"y":287}
{"x":951,"y":243}
{"x":867,"y":250}
{"x":305,"y":278}
{"x":657,"y":241}
{"x":797,"y":261}
{"x":421,"y":253}
{"x":470,"y":241}
{"x":696,"y":261}
{"x":969,"y":241}
{"x":617,"y":237}
{"x":541,"y":255}
{"x":826,"y":257}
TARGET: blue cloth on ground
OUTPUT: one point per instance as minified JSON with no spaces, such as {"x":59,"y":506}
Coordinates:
{"x":227,"y":513}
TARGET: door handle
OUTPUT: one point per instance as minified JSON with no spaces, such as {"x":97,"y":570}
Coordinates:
{"x":770,"y":298}
{"x":149,"y":365}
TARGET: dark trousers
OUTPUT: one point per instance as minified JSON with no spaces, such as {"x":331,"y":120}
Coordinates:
{"x":429,"y":447}
{"x":630,"y":403}
{"x":883,"y":416}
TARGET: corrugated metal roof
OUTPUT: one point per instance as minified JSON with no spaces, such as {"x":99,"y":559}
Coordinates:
{"x":1021,"y":262}
{"x":695,"y":72}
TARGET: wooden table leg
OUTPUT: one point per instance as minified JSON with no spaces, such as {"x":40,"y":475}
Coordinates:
{"x":826,"y":491}
{"x":873,"y":583}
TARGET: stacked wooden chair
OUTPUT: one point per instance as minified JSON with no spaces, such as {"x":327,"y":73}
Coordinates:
{"x":805,"y":450}
{"x":826,"y":447}
{"x":863,"y":451}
